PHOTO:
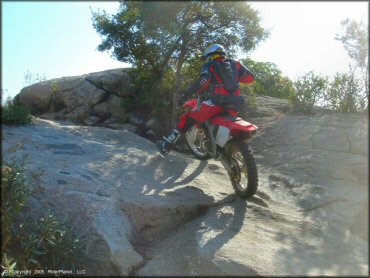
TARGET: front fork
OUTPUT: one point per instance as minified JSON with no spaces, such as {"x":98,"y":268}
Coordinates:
{"x":213,"y":152}
{"x":226,"y":163}
{"x":221,"y":154}
{"x":225,"y":159}
{"x":229,"y":162}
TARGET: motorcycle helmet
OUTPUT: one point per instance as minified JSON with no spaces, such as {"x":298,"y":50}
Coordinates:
{"x":214,"y":49}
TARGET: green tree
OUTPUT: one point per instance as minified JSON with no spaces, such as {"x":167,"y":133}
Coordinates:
{"x":269,"y":80}
{"x":165,"y":36}
{"x":310,"y":90}
{"x":354,"y":37}
{"x":14,"y":114}
{"x":343,"y":94}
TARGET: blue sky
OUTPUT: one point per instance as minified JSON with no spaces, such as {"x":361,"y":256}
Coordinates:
{"x":54,"y":39}
{"x":57,"y":39}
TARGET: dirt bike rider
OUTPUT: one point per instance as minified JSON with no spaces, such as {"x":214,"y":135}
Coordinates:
{"x":210,"y":78}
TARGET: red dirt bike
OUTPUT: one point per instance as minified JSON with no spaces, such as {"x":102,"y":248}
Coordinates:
{"x":225,"y":138}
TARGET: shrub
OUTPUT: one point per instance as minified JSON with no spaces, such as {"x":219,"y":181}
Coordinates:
{"x":54,"y":87}
{"x":344,"y":94}
{"x":14,"y":114}
{"x":310,"y":89}
{"x":269,"y":81}
{"x":128,"y":103}
{"x":46,"y":243}
{"x":153,"y":95}
{"x":29,"y":244}
{"x":14,"y":192}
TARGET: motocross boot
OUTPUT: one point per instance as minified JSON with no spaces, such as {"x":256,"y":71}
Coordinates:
{"x":164,"y":146}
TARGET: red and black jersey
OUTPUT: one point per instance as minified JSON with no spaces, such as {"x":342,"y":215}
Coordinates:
{"x":210,"y":79}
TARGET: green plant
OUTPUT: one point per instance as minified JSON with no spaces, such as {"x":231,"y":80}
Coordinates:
{"x":344,"y":94}
{"x":250,"y":94}
{"x":54,"y":87}
{"x":8,"y":266}
{"x":152,"y":97}
{"x":29,"y":243}
{"x":354,"y":37}
{"x":269,"y":80}
{"x":14,"y":114}
{"x":14,"y":192}
{"x":128,"y":103}
{"x":310,"y":89}
{"x":46,"y":242}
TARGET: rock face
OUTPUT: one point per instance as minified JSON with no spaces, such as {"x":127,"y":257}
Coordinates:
{"x":151,"y":216}
{"x":90,"y":99}
{"x":309,"y":216}
{"x":112,"y":186}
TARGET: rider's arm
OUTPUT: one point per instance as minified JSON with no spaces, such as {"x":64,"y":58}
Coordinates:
{"x":245,"y":75}
{"x":202,"y":83}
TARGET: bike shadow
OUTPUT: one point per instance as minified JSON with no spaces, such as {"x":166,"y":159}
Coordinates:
{"x":163,"y":173}
{"x":215,"y":232}
{"x":227,"y":219}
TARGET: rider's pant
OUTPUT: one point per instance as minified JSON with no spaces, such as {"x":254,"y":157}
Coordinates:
{"x":206,"y":111}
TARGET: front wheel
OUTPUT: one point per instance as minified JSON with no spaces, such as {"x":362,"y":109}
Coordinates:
{"x":198,"y":141}
{"x":243,"y":175}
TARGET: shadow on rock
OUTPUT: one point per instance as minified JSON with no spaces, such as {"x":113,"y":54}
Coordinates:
{"x":197,"y":249}
{"x":220,"y":226}
{"x":166,"y":173}
{"x":227,"y":220}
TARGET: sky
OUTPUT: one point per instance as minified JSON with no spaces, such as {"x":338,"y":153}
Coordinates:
{"x":303,"y":35}
{"x":57,"y":39}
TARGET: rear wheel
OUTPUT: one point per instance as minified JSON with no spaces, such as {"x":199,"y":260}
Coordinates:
{"x":198,"y":141}
{"x":244,"y":175}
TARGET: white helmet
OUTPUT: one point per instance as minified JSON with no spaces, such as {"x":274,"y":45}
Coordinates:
{"x":214,"y":49}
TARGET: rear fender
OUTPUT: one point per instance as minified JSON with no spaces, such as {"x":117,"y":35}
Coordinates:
{"x":236,"y":126}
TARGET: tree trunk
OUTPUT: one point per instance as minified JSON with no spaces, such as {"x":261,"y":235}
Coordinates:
{"x":170,"y":52}
{"x":175,"y":98}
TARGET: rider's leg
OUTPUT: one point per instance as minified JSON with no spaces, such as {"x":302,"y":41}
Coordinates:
{"x":166,"y":143}
{"x":207,"y":110}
